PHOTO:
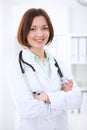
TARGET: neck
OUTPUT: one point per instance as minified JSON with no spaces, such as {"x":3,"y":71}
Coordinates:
{"x":40,"y":53}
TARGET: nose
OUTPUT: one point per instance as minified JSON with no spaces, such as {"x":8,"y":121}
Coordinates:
{"x":40,"y":32}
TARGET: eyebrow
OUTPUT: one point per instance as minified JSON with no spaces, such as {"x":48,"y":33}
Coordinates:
{"x":36,"y":25}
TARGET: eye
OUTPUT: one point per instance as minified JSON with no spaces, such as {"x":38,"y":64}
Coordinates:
{"x":32,"y":29}
{"x":45,"y":28}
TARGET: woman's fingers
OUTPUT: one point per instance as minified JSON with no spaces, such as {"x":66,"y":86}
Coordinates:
{"x":43,"y":97}
{"x":68,"y":86}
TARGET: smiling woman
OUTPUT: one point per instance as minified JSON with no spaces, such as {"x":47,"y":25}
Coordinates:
{"x":36,"y":19}
{"x":41,"y":100}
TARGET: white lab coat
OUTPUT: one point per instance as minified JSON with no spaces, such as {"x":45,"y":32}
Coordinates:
{"x":35,"y":114}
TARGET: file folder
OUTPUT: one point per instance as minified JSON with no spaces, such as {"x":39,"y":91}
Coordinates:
{"x":82,"y":49}
{"x":74,"y":46}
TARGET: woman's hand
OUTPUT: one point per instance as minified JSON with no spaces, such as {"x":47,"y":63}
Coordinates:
{"x":43,"y":97}
{"x":68,"y":86}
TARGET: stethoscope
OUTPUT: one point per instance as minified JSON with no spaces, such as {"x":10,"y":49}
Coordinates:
{"x":63,"y":80}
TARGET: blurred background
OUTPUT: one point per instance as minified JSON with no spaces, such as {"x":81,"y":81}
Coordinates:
{"x":69,"y":18}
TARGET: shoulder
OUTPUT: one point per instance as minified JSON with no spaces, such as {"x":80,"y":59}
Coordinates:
{"x":52,"y":57}
{"x":60,"y":63}
{"x":63,"y":67}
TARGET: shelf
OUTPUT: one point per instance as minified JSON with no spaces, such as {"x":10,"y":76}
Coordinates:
{"x":78,"y":35}
{"x":78,"y":63}
{"x":83,"y":89}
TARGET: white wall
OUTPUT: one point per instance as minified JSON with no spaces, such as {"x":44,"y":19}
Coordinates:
{"x":1,"y":87}
{"x":6,"y":107}
{"x":66,"y":19}
{"x":78,"y":20}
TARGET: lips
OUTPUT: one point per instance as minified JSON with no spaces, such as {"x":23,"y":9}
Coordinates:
{"x":39,"y":40}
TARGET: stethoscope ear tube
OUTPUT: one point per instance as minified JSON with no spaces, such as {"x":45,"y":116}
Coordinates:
{"x":20,"y":60}
{"x":59,"y":71}
{"x":63,"y":80}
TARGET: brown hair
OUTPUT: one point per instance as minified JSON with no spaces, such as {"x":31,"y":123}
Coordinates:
{"x":26,"y":22}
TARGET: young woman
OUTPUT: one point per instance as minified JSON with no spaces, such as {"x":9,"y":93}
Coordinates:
{"x":41,"y":99}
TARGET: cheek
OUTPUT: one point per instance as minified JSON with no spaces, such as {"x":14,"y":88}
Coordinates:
{"x":29,"y":37}
{"x":47,"y":35}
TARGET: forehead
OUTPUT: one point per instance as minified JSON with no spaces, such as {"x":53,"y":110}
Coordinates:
{"x":39,"y":20}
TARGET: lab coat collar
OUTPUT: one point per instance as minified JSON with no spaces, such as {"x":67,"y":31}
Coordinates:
{"x":28,"y":58}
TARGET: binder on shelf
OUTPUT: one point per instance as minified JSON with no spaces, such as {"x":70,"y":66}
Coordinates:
{"x":74,"y":46}
{"x":84,"y":103}
{"x":82,"y":49}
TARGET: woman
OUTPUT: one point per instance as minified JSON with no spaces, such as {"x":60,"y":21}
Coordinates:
{"x":40,"y":99}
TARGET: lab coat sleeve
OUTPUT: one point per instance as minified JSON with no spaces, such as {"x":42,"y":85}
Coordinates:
{"x":26,"y":105}
{"x":66,"y":100}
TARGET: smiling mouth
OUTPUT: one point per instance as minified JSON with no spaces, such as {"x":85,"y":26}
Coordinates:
{"x":39,"y":40}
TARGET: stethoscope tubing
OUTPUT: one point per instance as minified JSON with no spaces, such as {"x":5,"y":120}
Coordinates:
{"x":63,"y":80}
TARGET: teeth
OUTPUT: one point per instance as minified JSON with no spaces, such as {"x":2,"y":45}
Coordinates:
{"x":39,"y":40}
